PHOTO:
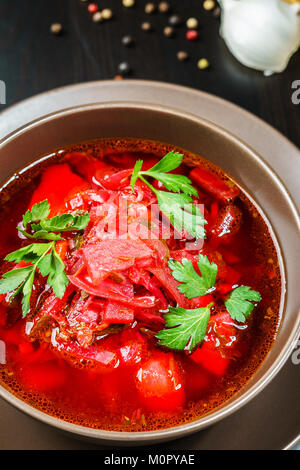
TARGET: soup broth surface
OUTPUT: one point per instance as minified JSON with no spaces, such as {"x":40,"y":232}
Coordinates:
{"x":94,"y":360}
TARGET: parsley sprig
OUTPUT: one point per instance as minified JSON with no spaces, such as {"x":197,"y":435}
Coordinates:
{"x":178,"y":204}
{"x":41,"y":256}
{"x":45,"y":228}
{"x":185,"y":328}
{"x":194,"y":285}
{"x":239,"y":303}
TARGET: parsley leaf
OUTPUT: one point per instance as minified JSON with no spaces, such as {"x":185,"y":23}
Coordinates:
{"x":181,"y":211}
{"x":41,"y":256}
{"x":174,"y":183}
{"x":63,"y":223}
{"x":185,"y":329}
{"x":169,"y":162}
{"x":178,"y":204}
{"x":21,"y":280}
{"x":193,"y":284}
{"x":45,"y":229}
{"x":13,"y":279}
{"x":238,"y":303}
{"x":53,"y":267}
{"x":30,"y":253}
{"x":38,"y":212}
{"x":41,"y":235}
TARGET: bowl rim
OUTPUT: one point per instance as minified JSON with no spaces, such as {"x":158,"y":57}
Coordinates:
{"x":235,"y":403}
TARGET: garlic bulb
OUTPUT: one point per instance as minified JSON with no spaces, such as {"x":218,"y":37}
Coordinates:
{"x":261,"y":34}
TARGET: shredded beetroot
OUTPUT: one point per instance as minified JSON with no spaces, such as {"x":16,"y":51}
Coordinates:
{"x":98,"y":345}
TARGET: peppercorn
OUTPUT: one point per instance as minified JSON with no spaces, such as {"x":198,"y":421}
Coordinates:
{"x":124,"y":68}
{"x":93,"y":7}
{"x":182,"y":56}
{"x":192,"y":23}
{"x":164,"y":7}
{"x":107,"y":14}
{"x":146,"y":26}
{"x":217,"y":12}
{"x":150,"y":8}
{"x":97,"y":17}
{"x":56,"y":28}
{"x":175,"y":20}
{"x":169,"y":31}
{"x":191,"y":35}
{"x":127,"y":41}
{"x":203,"y":64}
{"x":209,"y":5}
{"x":128,"y":3}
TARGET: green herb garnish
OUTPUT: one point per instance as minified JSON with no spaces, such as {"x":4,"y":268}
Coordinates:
{"x":185,"y":328}
{"x":178,"y":204}
{"x":45,"y":228}
{"x":238,"y":303}
{"x":194,"y":285}
{"x":42,"y":256}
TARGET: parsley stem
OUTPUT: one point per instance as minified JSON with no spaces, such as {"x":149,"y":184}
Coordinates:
{"x":148,"y":184}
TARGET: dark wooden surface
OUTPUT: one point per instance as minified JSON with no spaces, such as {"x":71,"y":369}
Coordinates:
{"x":32,"y":60}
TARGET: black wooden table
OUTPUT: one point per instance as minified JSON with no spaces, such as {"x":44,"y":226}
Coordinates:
{"x":32,"y":61}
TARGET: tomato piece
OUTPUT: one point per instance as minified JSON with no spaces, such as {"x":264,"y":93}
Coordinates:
{"x":26,"y":348}
{"x":211,"y":359}
{"x":110,"y":179}
{"x":112,"y":255}
{"x":197,"y":380}
{"x":43,"y":377}
{"x":160,"y":384}
{"x":85,"y":165}
{"x":225,"y":288}
{"x":214,"y":185}
{"x":117,"y":313}
{"x":227,"y":223}
{"x":228,"y":275}
{"x":61,"y":248}
{"x":133,"y":347}
{"x":199,"y":302}
{"x":220,"y":339}
{"x":57,"y":184}
{"x":109,"y":391}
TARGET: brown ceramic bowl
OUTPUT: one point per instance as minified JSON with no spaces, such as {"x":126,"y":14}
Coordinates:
{"x":222,"y":148}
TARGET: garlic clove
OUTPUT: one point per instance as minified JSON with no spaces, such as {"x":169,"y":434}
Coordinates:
{"x":261,"y":34}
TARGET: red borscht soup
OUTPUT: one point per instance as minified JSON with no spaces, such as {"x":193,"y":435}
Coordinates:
{"x":140,"y":287}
